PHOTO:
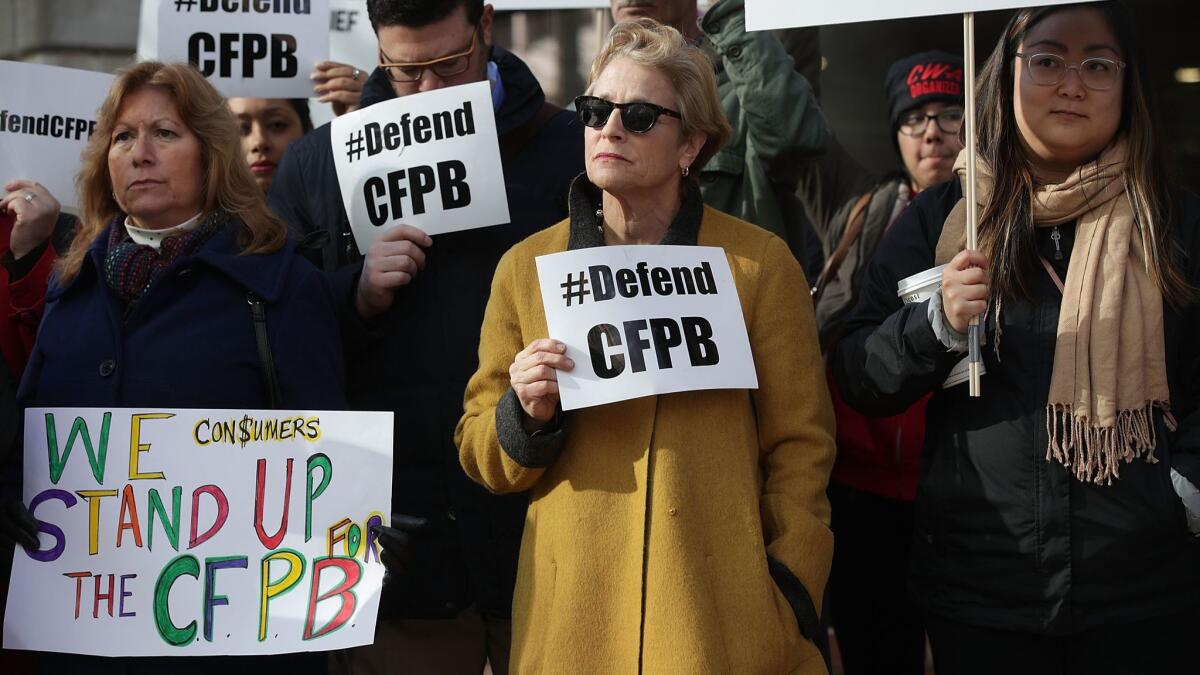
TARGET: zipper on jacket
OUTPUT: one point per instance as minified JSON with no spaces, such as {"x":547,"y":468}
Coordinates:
{"x":1056,"y":237}
{"x":646,"y":532}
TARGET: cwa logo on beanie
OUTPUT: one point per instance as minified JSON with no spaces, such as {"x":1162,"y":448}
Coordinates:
{"x":923,"y":78}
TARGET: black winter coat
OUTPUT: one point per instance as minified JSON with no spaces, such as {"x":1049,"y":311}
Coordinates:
{"x":415,"y":359}
{"x":1004,"y":538}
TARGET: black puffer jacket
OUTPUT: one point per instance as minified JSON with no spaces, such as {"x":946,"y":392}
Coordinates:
{"x":415,"y":359}
{"x":1004,"y":538}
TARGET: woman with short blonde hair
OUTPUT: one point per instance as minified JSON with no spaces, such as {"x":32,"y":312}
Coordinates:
{"x":680,"y":533}
{"x":663,"y":48}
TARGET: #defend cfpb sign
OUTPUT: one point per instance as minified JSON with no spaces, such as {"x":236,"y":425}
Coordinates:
{"x":643,"y":320}
{"x":429,"y":160}
{"x":47,"y":115}
{"x":259,"y":48}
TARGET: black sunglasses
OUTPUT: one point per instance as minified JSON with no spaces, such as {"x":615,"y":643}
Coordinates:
{"x":636,"y":117}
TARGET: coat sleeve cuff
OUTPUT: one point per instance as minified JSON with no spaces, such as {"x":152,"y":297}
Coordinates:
{"x":798,"y":597}
{"x":356,"y":330}
{"x":27,"y":291}
{"x":950,"y":338}
{"x":1185,"y":478}
{"x":535,"y":450}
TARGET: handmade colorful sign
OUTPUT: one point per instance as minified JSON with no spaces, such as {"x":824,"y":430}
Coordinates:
{"x":200,"y":532}
{"x":430,"y":160}
{"x":768,"y":14}
{"x":642,"y":320}
{"x":260,"y":48}
{"x":45,"y":123}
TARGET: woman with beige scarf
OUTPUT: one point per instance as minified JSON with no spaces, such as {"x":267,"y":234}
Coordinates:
{"x":1052,"y":530}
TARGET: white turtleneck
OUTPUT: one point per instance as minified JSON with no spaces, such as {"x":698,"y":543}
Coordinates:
{"x":154,"y":238}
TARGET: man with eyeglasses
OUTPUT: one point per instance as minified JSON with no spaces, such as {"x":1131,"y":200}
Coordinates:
{"x":874,"y":482}
{"x":412,"y":313}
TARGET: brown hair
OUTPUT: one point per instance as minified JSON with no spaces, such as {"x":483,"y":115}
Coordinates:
{"x":1007,"y":233}
{"x":227,"y":181}
{"x":651,"y":44}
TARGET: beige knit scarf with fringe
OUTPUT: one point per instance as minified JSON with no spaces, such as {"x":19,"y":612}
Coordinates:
{"x":1109,"y":357}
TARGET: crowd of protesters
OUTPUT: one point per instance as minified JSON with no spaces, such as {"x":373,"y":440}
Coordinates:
{"x":1049,"y":526}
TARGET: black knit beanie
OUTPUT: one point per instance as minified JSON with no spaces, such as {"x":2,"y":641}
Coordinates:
{"x":922,"y":78}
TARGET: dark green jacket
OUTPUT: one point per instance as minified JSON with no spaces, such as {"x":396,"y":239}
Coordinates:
{"x":777,"y":125}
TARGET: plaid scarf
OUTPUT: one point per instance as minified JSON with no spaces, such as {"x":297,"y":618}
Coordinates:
{"x":130,"y":267}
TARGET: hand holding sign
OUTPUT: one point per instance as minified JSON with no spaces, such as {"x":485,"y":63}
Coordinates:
{"x":636,"y":320}
{"x":393,"y":260}
{"x":339,"y":85}
{"x":398,"y":541}
{"x":534,"y":378}
{"x":964,"y":289}
{"x":17,"y":525}
{"x":36,"y":212}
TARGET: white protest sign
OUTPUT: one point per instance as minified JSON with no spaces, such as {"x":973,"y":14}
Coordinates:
{"x":201,"y":532}
{"x":260,"y":48}
{"x":147,"y":42}
{"x":351,"y":39}
{"x":642,"y":320}
{"x":46,"y":119}
{"x":506,"y":5}
{"x":769,"y":14}
{"x":352,"y":42}
{"x":429,"y":160}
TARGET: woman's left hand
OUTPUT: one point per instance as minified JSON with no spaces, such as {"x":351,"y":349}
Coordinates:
{"x":339,"y":85}
{"x":36,"y":212}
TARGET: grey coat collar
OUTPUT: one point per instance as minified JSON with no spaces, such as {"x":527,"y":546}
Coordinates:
{"x":586,"y":227}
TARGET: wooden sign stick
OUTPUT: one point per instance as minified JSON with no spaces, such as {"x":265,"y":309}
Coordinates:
{"x":973,"y":332}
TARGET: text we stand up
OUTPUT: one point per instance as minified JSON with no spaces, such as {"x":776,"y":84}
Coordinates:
{"x":241,"y":537}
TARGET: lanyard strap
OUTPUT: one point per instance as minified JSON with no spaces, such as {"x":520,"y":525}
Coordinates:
{"x":1053,"y":274}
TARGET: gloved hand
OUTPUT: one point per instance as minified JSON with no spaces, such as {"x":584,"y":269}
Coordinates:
{"x":1188,"y":490}
{"x":17,"y":525}
{"x":398,"y":540}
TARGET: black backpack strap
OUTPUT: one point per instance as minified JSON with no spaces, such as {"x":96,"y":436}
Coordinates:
{"x":512,"y":142}
{"x":265,"y":358}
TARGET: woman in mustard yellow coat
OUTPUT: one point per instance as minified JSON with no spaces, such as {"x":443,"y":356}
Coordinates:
{"x":682,"y":533}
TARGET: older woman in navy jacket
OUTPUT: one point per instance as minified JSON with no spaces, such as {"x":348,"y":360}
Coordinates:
{"x":180,"y":291}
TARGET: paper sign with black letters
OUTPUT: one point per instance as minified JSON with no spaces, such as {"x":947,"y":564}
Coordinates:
{"x":428,"y":160}
{"x":46,"y":118}
{"x":769,"y":14}
{"x":505,"y":5}
{"x":644,"y":320}
{"x":200,"y":532}
{"x":259,"y":48}
{"x":351,"y":39}
{"x":352,"y":42}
